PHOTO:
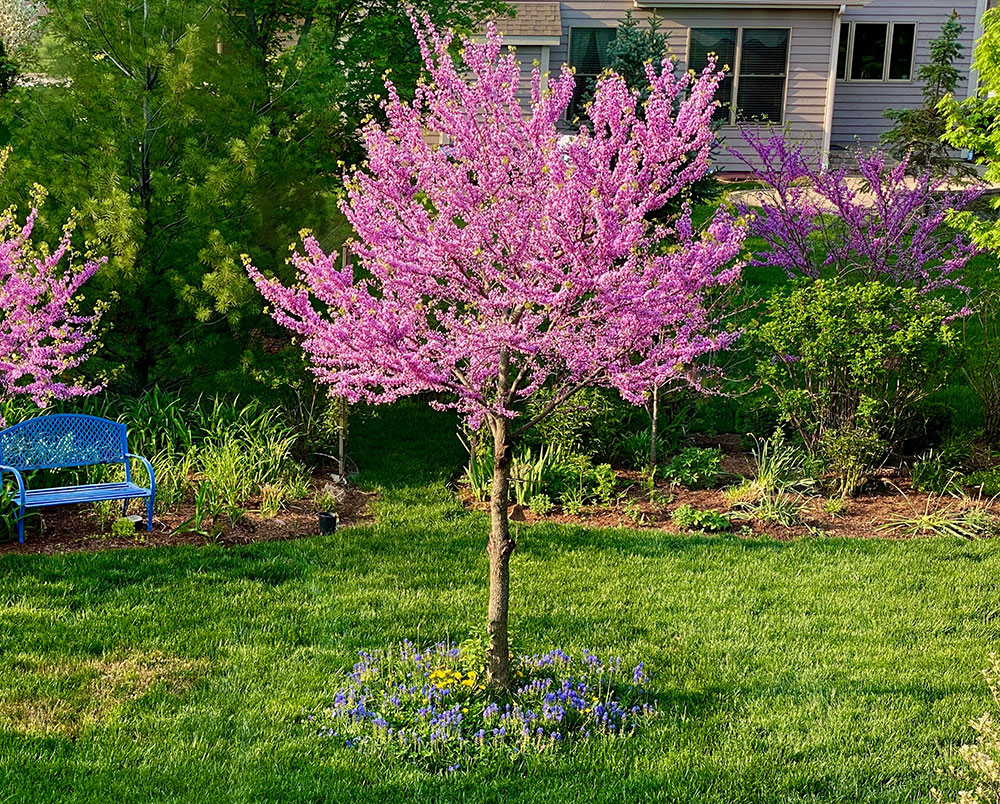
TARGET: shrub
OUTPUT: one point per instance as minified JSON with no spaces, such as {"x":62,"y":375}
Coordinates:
{"x":431,"y":706}
{"x":968,"y":524}
{"x":979,"y":771}
{"x":687,"y":517}
{"x":987,"y":480}
{"x":780,"y":466}
{"x":853,"y":357}
{"x":851,"y":454}
{"x":540,"y":505}
{"x":588,"y":424}
{"x":694,"y":468}
{"x":835,"y":506}
{"x":123,"y":528}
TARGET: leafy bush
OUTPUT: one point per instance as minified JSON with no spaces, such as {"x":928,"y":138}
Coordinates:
{"x":431,"y":707}
{"x":123,"y":528}
{"x":687,"y":517}
{"x":694,"y":468}
{"x":987,"y":480}
{"x":854,"y":357}
{"x":851,"y":454}
{"x":588,"y":424}
{"x":540,"y":505}
{"x":979,"y":771}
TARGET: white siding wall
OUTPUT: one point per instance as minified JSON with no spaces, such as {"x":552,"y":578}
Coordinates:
{"x":809,"y":53}
{"x":858,"y":106}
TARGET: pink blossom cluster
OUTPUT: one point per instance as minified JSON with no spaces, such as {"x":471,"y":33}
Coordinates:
{"x":42,"y":333}
{"x":513,"y":256}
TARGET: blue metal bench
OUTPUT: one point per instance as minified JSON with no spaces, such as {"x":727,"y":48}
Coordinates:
{"x":63,"y":441}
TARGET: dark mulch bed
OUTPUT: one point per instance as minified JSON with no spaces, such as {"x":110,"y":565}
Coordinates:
{"x":75,"y":528}
{"x":885,"y":498}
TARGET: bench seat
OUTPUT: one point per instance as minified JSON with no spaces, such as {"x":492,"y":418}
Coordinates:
{"x":65,"y":441}
{"x":99,"y":492}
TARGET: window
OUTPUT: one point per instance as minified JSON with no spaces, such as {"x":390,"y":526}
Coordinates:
{"x":757,"y":62}
{"x":588,"y":55}
{"x":876,"y":51}
{"x":845,"y":38}
{"x":721,"y":42}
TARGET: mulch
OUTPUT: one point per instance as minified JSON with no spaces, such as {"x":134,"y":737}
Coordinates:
{"x":885,"y":498}
{"x":75,"y":528}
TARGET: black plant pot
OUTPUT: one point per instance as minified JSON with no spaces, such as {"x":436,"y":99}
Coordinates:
{"x":328,"y":523}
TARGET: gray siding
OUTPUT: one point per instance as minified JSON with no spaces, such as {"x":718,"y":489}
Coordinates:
{"x":858,"y":106}
{"x":809,"y":53}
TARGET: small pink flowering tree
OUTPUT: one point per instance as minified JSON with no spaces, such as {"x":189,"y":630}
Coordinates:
{"x":511,"y":259}
{"x":42,"y":333}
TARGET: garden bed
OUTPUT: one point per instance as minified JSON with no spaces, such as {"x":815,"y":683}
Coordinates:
{"x":887,"y":498}
{"x":76,"y":528}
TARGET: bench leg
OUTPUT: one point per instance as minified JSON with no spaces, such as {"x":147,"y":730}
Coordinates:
{"x":20,"y":526}
{"x":149,"y":512}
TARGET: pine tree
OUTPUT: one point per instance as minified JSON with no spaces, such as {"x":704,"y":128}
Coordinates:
{"x":917,"y":133}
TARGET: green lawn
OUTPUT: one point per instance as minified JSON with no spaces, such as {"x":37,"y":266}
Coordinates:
{"x":813,"y":671}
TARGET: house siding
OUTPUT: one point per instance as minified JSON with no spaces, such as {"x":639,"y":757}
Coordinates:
{"x":858,"y":106}
{"x":809,"y":60}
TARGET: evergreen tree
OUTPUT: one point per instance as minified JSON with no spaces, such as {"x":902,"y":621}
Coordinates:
{"x":918,"y":133}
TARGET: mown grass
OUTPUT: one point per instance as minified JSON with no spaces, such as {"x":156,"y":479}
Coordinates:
{"x":818,"y":670}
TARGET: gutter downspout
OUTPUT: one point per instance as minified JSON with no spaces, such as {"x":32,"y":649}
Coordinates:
{"x":831,"y":85}
{"x":977,"y":32}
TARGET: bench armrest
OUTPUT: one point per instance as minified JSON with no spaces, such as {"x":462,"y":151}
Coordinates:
{"x":149,"y":469}
{"x":17,"y":477}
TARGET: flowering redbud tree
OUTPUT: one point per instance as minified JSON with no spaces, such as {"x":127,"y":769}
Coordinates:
{"x":514,"y":258}
{"x":42,"y":333}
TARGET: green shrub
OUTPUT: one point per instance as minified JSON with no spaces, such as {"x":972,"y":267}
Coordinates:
{"x":854,"y":357}
{"x":780,"y":466}
{"x":123,"y":528}
{"x":987,"y":480}
{"x":694,"y":468}
{"x":589,"y":423}
{"x":540,"y":505}
{"x":851,"y":455}
{"x":977,"y":768}
{"x":687,"y":517}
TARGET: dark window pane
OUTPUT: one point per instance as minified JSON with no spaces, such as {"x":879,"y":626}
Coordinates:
{"x":588,"y":54}
{"x":721,"y":42}
{"x":901,"y":52}
{"x":845,"y":33}
{"x":868,"y":61}
{"x":760,"y":98}
{"x":589,"y":49}
{"x":765,"y":51}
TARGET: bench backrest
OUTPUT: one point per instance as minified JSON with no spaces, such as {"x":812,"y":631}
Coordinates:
{"x":63,"y":440}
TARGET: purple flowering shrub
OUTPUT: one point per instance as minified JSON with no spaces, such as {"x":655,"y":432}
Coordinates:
{"x":866,"y":220}
{"x":432,"y":706}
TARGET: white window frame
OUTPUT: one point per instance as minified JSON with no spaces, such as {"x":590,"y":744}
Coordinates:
{"x":890,"y":24}
{"x":737,"y":58}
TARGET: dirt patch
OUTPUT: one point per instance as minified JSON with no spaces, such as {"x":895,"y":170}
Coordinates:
{"x":74,"y":528}
{"x":67,"y":696}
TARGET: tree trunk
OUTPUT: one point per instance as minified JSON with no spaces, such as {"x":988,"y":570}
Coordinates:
{"x":654,"y":430}
{"x":499,"y":549}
